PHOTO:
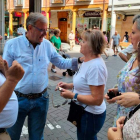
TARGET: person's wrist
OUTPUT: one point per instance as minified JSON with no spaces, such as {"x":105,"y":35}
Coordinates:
{"x":79,"y":61}
{"x":12,"y":81}
{"x":138,"y":99}
{"x":118,"y":139}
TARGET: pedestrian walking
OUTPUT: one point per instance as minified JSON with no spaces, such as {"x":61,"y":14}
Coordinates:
{"x":77,"y":36}
{"x":72,"y":40}
{"x":116,"y":42}
{"x":21,"y":30}
{"x":34,"y":53}
{"x":88,"y":86}
{"x":56,"y":41}
{"x":9,"y":78}
{"x":126,"y":37}
{"x":106,"y":40}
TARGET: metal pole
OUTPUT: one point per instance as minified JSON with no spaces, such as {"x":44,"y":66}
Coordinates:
{"x":112,"y":10}
{"x":3,"y":21}
{"x":103,"y":14}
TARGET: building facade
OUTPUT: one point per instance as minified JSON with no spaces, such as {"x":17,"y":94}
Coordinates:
{"x":123,"y":13}
{"x":66,"y":15}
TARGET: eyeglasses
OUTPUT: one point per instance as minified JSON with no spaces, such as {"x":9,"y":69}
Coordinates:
{"x":58,"y":105}
{"x":40,"y":30}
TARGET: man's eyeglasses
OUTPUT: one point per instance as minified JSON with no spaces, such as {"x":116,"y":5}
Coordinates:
{"x":41,"y":30}
{"x":58,"y":105}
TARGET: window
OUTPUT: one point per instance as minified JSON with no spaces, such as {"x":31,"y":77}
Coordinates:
{"x":18,"y":2}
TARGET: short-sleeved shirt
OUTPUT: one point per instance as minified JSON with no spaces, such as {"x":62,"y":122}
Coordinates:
{"x":56,"y":41}
{"x":116,"y":39}
{"x":8,"y":116}
{"x":93,"y":72}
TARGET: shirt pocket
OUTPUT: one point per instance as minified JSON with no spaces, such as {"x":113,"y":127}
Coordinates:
{"x":42,"y":64}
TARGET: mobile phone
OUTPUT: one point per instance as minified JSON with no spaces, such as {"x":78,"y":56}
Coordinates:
{"x":60,"y":89}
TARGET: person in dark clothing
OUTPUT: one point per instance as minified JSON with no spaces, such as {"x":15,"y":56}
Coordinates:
{"x":126,"y":37}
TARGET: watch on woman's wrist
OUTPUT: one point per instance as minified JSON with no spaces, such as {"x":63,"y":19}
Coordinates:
{"x":75,"y":97}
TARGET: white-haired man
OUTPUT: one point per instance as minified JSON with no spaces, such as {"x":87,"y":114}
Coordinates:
{"x":34,"y":53}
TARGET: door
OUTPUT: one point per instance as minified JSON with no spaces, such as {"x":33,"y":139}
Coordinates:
{"x":95,"y":21}
{"x":63,"y":28}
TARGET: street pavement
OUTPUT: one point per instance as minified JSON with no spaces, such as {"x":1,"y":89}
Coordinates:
{"x":57,"y":127}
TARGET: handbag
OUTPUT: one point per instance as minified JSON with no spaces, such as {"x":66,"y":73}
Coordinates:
{"x":75,"y":113}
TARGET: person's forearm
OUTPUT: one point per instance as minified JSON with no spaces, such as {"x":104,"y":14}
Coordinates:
{"x":6,"y":91}
{"x":123,"y":57}
{"x":89,"y":99}
{"x":70,"y":85}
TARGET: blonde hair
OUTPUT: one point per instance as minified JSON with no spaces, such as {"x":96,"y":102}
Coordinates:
{"x":95,"y":39}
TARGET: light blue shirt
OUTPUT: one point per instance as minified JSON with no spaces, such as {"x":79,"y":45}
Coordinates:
{"x":116,"y":39}
{"x":35,"y":62}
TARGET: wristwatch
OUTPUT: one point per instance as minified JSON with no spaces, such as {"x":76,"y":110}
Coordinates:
{"x":75,"y":97}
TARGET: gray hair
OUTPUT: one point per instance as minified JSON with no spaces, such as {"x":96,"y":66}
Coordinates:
{"x":137,"y":20}
{"x":34,"y":17}
{"x":95,"y":39}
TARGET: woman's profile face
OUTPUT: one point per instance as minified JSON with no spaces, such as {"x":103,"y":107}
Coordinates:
{"x":135,"y":36}
{"x":85,"y":48}
{"x":58,"y":34}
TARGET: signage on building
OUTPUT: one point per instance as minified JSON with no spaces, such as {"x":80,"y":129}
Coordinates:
{"x":18,"y":14}
{"x":92,"y":14}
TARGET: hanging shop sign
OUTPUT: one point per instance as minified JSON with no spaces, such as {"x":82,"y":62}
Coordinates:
{"x":18,"y":14}
{"x":92,"y":14}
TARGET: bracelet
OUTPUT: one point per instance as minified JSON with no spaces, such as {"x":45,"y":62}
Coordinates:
{"x":79,"y":61}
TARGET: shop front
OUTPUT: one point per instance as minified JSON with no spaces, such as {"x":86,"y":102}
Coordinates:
{"x":89,"y":20}
{"x":18,"y":18}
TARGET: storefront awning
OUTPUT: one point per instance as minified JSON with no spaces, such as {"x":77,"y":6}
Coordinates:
{"x":90,"y":9}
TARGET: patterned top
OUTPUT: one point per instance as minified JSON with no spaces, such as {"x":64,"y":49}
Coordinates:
{"x":131,"y":130}
{"x":127,"y":83}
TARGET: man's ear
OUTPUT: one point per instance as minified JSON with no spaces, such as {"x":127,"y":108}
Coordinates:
{"x":29,"y":27}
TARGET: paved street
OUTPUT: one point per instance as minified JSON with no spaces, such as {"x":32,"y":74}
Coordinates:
{"x":57,"y":127}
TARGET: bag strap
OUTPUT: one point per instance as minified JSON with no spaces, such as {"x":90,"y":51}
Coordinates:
{"x":134,"y":110}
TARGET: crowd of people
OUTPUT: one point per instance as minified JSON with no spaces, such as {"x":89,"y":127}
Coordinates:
{"x":24,"y":82}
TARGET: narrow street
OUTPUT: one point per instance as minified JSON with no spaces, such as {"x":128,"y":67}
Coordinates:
{"x":57,"y":127}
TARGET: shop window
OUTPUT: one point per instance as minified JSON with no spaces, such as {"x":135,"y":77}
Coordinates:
{"x":57,"y":1}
